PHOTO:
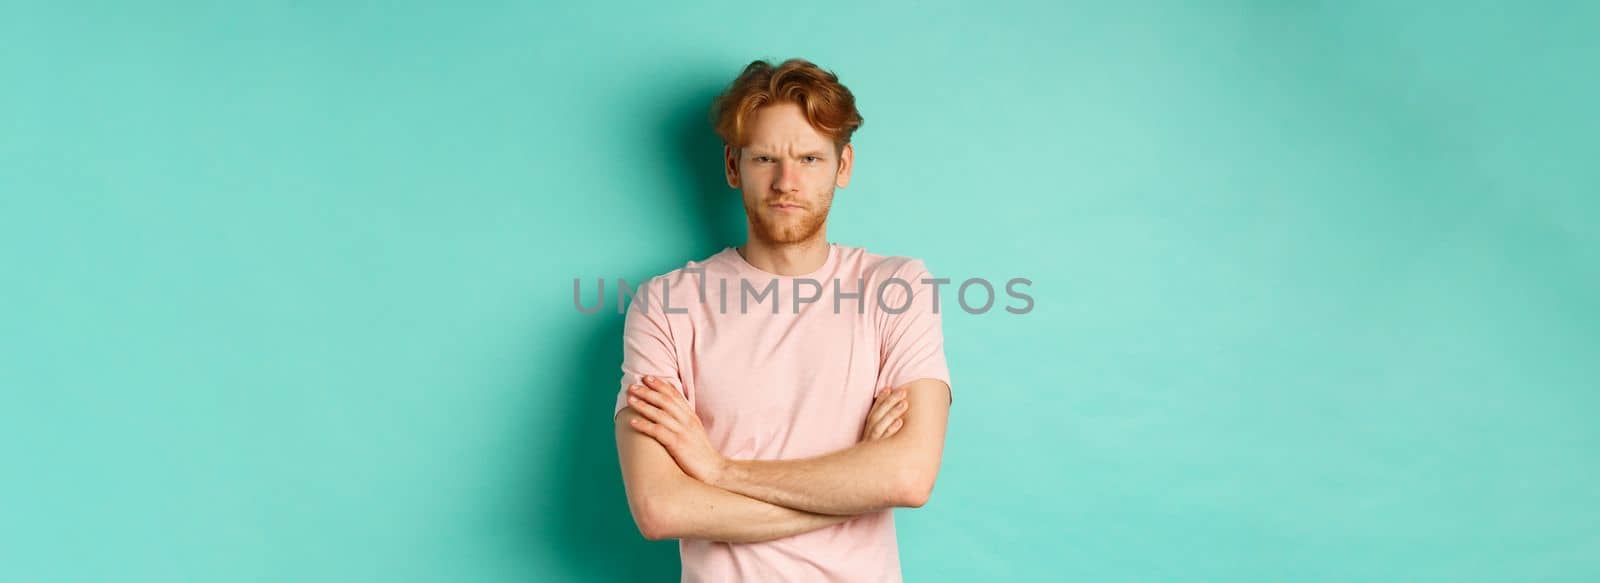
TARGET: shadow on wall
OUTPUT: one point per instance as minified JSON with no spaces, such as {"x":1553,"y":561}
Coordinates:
{"x":592,"y":529}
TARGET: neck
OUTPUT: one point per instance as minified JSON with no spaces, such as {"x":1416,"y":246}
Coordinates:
{"x":787,"y":259}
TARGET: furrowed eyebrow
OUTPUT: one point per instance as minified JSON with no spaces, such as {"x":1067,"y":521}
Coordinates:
{"x":755,"y":152}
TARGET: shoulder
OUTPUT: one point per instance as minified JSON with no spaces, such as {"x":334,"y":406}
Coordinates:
{"x":881,"y":267}
{"x":684,"y":283}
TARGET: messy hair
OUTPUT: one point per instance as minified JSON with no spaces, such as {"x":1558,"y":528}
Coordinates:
{"x":828,"y":105}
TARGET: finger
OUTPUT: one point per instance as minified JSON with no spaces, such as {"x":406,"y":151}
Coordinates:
{"x":889,"y":403}
{"x":879,"y":410}
{"x":642,"y":426}
{"x":877,"y":431}
{"x":897,"y":412}
{"x":885,"y":427}
{"x":654,"y":414}
{"x":661,"y":401}
{"x":882,"y":410}
{"x":887,"y":417}
{"x":654,"y":431}
{"x":890,"y":415}
{"x":674,"y":397}
{"x":884,"y":394}
{"x":893,"y":429}
{"x":874,"y":413}
{"x":652,"y":390}
{"x":889,"y":394}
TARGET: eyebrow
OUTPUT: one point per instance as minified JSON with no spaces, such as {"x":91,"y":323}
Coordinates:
{"x":760,"y":152}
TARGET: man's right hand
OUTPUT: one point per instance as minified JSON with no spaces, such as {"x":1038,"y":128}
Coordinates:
{"x":887,"y":415}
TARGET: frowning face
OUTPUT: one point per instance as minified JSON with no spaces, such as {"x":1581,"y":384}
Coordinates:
{"x":787,"y":173}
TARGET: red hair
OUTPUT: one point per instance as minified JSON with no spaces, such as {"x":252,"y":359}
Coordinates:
{"x":829,"y":106}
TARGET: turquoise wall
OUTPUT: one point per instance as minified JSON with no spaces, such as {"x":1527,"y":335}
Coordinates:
{"x":288,"y":287}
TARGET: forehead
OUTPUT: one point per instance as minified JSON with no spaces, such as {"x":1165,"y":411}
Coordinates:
{"x":783,"y":125}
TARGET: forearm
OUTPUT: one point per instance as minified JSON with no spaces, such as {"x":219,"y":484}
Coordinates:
{"x":867,"y":477}
{"x":694,"y":510}
{"x":871,"y":476}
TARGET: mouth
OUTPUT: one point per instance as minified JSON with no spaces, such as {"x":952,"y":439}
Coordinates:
{"x":785,"y":207}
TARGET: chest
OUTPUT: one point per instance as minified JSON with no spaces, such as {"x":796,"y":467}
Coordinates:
{"x":770,"y":384}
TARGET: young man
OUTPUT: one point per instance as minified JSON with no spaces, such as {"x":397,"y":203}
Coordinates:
{"x":752,"y":429}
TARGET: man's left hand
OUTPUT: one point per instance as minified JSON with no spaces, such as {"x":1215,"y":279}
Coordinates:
{"x":669,"y":420}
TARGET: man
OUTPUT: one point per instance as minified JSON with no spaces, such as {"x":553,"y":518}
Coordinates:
{"x":756,"y":430}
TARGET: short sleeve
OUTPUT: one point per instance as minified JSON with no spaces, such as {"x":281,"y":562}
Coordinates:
{"x":911,"y":330}
{"x":647,"y":347}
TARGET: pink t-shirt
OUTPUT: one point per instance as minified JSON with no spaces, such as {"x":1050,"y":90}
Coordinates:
{"x":788,"y":385}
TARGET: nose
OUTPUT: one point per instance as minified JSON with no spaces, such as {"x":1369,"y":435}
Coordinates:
{"x":787,"y":178}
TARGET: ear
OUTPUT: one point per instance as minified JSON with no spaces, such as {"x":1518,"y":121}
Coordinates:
{"x":847,"y":159}
{"x":730,"y":165}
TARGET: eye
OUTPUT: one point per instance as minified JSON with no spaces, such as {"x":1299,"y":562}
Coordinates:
{"x":810,"y":159}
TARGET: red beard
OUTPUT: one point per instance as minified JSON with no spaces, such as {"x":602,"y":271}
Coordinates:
{"x":785,"y":228}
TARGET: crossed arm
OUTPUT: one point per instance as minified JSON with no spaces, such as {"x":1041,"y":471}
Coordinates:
{"x":679,"y":486}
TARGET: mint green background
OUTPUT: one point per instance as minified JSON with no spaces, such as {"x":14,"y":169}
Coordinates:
{"x":288,"y":288}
